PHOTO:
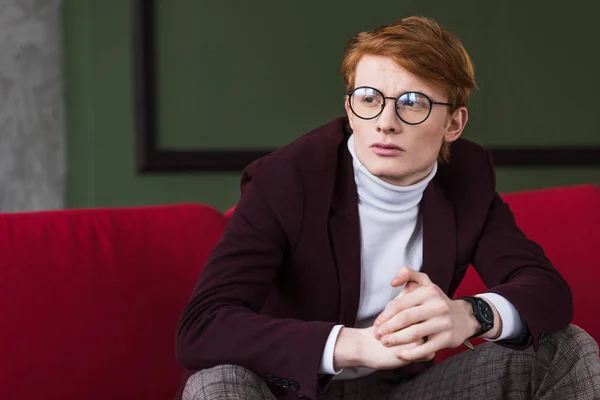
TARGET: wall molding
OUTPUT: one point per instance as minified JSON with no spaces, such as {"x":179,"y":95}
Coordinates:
{"x":152,"y":159}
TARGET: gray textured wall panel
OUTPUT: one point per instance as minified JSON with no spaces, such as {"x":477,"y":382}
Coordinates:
{"x":32,"y":139}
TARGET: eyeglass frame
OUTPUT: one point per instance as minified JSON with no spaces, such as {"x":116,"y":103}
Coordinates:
{"x":349,"y":93}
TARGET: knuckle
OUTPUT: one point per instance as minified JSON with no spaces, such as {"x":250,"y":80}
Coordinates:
{"x":432,"y":290}
{"x":393,"y":305}
{"x":394,"y":325}
{"x":442,"y":307}
{"x":388,"y":327}
{"x":424,"y":275}
{"x":415,"y":336}
{"x":446,"y":324}
{"x":405,"y":317}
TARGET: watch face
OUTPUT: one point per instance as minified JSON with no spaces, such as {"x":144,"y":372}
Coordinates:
{"x":485,"y":311}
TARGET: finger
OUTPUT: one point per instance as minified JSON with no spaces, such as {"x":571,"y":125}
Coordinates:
{"x":414,"y":345}
{"x":415,"y":298}
{"x":412,"y":299}
{"x":429,"y":357}
{"x":409,"y":288}
{"x":428,"y":328}
{"x":406,"y":274}
{"x":424,"y":351}
{"x":405,"y":319}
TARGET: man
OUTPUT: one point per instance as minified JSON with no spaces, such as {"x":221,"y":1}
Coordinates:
{"x":335,"y":275}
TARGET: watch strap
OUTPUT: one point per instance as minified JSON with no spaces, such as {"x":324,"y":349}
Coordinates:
{"x":484,"y":325}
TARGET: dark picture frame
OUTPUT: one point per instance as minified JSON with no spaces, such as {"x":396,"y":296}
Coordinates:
{"x":150,"y":158}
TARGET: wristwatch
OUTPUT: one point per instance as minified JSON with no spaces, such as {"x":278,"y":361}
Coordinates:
{"x":483,"y":314}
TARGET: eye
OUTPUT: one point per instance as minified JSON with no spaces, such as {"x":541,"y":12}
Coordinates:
{"x":413,"y":100}
{"x":368,"y":97}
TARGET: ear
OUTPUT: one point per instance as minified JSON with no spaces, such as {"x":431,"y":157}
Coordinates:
{"x":456,"y":124}
{"x":349,"y":113}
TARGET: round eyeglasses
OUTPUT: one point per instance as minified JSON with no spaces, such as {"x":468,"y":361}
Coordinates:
{"x":412,"y":108}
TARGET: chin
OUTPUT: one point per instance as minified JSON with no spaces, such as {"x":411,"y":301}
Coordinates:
{"x":395,"y":174}
{"x":388,"y":172}
{"x":385,"y":166}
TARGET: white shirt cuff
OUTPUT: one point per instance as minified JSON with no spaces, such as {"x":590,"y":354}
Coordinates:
{"x":512,"y":325}
{"x":327,"y":358}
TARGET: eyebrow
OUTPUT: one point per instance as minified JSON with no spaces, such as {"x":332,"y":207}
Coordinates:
{"x":401,"y":93}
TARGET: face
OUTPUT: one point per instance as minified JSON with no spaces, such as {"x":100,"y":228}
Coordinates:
{"x":397,"y":152}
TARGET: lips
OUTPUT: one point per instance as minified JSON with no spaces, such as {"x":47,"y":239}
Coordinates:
{"x":389,"y":146}
{"x":386,"y":149}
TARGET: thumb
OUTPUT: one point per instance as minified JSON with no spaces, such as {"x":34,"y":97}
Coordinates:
{"x":410,"y":286}
{"x":406,"y":275}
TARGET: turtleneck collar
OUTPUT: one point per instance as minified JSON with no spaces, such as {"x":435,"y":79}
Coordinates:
{"x":383,"y":195}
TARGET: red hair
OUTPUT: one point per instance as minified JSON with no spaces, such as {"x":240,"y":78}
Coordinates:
{"x":422,"y":47}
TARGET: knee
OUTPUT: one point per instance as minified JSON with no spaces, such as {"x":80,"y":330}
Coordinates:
{"x":576,"y":340}
{"x":205,"y":384}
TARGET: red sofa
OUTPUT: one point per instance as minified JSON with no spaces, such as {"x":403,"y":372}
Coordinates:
{"x":90,"y":299}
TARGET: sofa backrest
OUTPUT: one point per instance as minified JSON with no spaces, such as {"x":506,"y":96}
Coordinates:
{"x":90,"y":299}
{"x":566,"y":223}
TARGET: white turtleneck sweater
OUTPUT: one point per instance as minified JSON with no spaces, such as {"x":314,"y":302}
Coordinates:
{"x":391,"y":232}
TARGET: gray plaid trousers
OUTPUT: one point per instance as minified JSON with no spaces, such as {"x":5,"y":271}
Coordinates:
{"x":567,"y":366}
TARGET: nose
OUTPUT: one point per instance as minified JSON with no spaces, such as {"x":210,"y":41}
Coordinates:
{"x":388,"y":121}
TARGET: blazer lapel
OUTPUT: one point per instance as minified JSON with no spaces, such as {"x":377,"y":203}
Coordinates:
{"x":344,"y":236}
{"x":439,"y":236}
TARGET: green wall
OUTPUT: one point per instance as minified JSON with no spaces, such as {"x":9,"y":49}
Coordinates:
{"x":258,"y":74}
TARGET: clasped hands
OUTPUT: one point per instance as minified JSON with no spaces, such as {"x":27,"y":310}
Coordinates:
{"x":420,"y":321}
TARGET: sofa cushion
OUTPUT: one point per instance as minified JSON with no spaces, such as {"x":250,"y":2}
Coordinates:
{"x":90,"y":299}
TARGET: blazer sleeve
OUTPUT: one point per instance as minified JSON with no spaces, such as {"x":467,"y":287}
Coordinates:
{"x":221,"y":323}
{"x":513,"y":266}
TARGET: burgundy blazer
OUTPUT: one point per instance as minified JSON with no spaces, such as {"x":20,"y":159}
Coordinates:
{"x":287,"y":268}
